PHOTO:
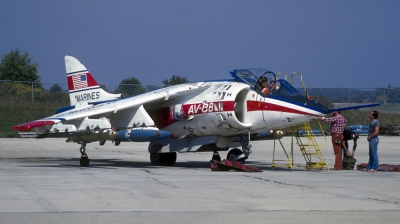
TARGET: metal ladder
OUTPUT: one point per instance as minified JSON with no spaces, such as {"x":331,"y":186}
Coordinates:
{"x":310,"y":148}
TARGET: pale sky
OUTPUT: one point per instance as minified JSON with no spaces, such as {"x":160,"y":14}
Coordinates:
{"x":351,"y":43}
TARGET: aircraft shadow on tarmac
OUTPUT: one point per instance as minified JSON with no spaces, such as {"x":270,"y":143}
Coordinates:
{"x":101,"y":163}
{"x":117,"y":163}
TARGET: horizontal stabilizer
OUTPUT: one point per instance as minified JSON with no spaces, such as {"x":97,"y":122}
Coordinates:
{"x":354,"y":107}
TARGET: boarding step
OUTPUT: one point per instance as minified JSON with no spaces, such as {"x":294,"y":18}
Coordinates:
{"x":302,"y":145}
{"x":317,"y":165}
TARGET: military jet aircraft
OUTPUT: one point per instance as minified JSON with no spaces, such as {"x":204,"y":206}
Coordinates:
{"x":201,"y":116}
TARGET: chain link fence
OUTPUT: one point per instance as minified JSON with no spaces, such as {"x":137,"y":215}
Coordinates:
{"x":26,"y":101}
{"x":55,"y":92}
{"x":58,"y":93}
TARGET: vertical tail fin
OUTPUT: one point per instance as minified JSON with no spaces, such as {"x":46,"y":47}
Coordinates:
{"x":82,"y":87}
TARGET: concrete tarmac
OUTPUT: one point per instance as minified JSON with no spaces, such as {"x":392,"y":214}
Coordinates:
{"x":42,"y":182}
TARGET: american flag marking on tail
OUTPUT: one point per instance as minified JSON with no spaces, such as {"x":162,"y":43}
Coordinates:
{"x":79,"y":81}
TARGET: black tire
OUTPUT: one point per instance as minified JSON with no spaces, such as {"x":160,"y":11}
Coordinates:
{"x":84,"y":162}
{"x":163,"y":159}
{"x":169,"y":159}
{"x":233,"y":153}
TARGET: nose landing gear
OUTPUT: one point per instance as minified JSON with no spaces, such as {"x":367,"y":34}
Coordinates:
{"x":240,"y":155}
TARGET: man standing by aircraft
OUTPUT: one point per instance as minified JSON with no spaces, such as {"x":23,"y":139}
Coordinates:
{"x":373,"y":139}
{"x":338,"y":122}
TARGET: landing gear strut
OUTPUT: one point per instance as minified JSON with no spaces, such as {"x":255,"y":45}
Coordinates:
{"x":163,"y":159}
{"x":84,"y":157}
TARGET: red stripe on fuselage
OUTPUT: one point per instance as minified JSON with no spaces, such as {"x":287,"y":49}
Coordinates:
{"x":208,"y":107}
{"x":264,"y":106}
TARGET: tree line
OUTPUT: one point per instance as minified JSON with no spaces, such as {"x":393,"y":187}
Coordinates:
{"x":22,"y":72}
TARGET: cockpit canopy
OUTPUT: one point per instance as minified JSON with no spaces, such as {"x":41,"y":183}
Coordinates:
{"x":264,"y":82}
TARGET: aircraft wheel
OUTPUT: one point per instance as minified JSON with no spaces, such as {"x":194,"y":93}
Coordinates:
{"x":84,"y":161}
{"x":155,"y":159}
{"x":233,"y":153}
{"x":169,"y":159}
{"x":163,"y":159}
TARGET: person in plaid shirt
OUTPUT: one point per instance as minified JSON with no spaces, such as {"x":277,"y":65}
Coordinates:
{"x":338,"y":122}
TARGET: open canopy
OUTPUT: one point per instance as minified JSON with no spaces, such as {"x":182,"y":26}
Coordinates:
{"x":264,"y":82}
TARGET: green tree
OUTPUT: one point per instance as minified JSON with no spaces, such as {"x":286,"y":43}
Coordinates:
{"x":175,"y":80}
{"x":18,"y":67}
{"x":130,"y":87}
{"x":55,"y":89}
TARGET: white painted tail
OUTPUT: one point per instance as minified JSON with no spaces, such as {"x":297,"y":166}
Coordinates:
{"x":83,"y":88}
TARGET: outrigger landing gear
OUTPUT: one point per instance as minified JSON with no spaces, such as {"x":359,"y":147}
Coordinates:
{"x":84,"y":157}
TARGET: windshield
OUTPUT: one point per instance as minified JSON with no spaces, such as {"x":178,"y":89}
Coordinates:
{"x":264,"y":82}
{"x":251,"y":76}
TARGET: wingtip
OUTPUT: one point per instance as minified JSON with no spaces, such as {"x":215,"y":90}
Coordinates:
{"x":22,"y":128}
{"x":28,"y":126}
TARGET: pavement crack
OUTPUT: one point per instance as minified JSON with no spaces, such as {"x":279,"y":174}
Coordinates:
{"x":383,"y":200}
{"x":162,"y":183}
{"x":149,"y":172}
{"x":278,"y":182}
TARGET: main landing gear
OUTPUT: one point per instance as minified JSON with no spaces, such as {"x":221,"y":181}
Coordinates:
{"x":163,"y":159}
{"x":84,"y":157}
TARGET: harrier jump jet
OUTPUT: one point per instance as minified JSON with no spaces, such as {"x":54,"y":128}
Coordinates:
{"x":202,"y":116}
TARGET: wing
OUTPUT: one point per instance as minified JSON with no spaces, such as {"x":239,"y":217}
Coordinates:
{"x":156,"y":99}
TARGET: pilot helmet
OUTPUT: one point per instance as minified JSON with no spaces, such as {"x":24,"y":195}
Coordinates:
{"x":262,"y":80}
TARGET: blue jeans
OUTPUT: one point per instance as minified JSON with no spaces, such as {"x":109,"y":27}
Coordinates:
{"x":373,"y":161}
